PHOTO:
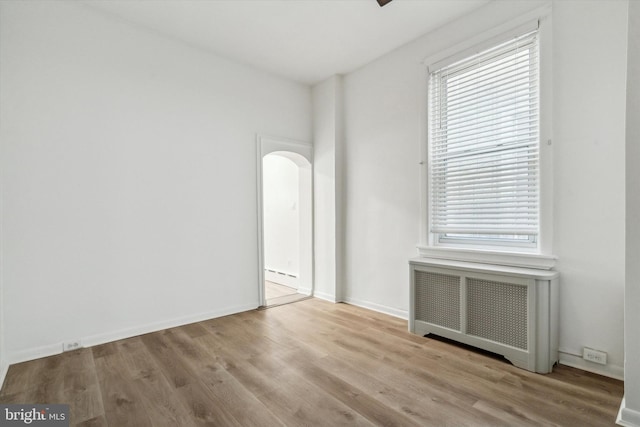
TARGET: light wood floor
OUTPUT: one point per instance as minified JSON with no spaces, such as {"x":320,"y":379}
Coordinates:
{"x":277,"y":294}
{"x":312,"y":363}
{"x":276,"y":290}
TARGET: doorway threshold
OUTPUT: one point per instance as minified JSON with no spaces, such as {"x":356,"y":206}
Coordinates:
{"x":285,"y":299}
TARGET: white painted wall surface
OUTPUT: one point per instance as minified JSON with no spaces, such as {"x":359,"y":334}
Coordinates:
{"x":326,"y":99}
{"x":381,"y":182}
{"x":382,"y":151}
{"x":281,"y":214}
{"x":129,"y":176}
{"x":4,"y":364}
{"x":382,"y":154}
{"x":631,"y":410}
{"x":590,"y":42}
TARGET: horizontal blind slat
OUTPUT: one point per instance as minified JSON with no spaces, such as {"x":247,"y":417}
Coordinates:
{"x":483,"y":134}
{"x":488,"y":159}
{"x":495,"y":174}
{"x":494,"y":147}
{"x":525,"y":231}
{"x":470,"y":121}
{"x":491,"y":89}
{"x":475,"y":125}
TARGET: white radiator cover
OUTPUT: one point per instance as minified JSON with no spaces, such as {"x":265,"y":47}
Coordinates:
{"x":510,"y":311}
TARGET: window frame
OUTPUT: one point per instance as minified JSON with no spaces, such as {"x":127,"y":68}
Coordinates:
{"x":525,"y":255}
{"x":448,"y":74}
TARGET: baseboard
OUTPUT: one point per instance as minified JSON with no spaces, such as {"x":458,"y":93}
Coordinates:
{"x":627,"y":417}
{"x":305,"y":291}
{"x":325,"y":296}
{"x":569,"y":358}
{"x":4,"y":367}
{"x":282,"y":279}
{"x":402,"y":314}
{"x":89,"y":341}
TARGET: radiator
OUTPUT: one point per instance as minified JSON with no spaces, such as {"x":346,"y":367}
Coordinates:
{"x":506,"y":310}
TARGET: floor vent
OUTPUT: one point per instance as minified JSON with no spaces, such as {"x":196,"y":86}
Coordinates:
{"x":509,"y":311}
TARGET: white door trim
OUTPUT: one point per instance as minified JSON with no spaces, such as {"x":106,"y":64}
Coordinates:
{"x":266,"y":145}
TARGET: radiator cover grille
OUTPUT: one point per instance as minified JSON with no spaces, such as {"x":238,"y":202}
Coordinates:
{"x":511,"y":311}
{"x":497,"y":311}
{"x":438,"y":299}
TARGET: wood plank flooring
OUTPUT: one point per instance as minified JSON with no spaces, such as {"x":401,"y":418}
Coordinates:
{"x":311,"y":363}
{"x":276,"y":290}
{"x":277,"y":294}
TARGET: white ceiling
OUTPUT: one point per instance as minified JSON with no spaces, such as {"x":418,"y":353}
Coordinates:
{"x":303,"y":40}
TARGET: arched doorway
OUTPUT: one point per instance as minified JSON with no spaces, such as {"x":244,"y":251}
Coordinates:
{"x":285,"y":215}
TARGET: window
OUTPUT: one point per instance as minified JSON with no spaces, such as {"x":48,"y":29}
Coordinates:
{"x":484,"y":148}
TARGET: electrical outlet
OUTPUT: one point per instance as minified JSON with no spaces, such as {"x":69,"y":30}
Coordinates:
{"x":71,"y":345}
{"x":594,"y":356}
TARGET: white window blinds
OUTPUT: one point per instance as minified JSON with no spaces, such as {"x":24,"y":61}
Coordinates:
{"x":483,"y":144}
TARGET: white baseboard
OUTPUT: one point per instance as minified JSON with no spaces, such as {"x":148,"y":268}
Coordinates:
{"x":4,"y":367}
{"x":402,"y":314}
{"x":34,"y":353}
{"x":570,"y":358}
{"x":282,"y":279}
{"x":89,"y":341}
{"x":305,"y":291}
{"x":628,"y":417}
{"x":325,"y":296}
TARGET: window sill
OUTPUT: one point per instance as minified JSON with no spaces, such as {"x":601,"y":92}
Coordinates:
{"x":512,"y":259}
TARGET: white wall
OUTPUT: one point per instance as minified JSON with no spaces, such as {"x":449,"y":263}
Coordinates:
{"x":382,"y":151}
{"x":327,"y":181}
{"x":281,"y":217}
{"x":129,"y":176}
{"x":631,"y":408}
{"x":590,"y":42}
{"x":4,"y":364}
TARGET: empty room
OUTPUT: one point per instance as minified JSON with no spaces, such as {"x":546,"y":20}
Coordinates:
{"x":319,"y":212}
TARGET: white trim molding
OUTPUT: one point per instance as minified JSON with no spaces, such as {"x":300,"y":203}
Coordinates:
{"x":541,"y":257}
{"x":282,"y":278}
{"x":627,"y":417}
{"x":395,"y":312}
{"x":89,"y":341}
{"x":4,"y":368}
{"x":325,"y":296}
{"x":301,"y":153}
{"x":573,"y":359}
{"x":512,"y":259}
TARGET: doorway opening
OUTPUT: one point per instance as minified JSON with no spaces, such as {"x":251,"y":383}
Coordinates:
{"x":285,"y":221}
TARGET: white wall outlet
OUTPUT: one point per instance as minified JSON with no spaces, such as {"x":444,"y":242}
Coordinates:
{"x":594,"y":356}
{"x":71,"y":345}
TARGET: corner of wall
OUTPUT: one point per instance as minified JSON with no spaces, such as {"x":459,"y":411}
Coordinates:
{"x":325,"y":296}
{"x":627,"y":417}
{"x":4,"y":367}
{"x":327,"y":189}
{"x":629,"y":414}
{"x":573,"y":360}
{"x":339,"y":193}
